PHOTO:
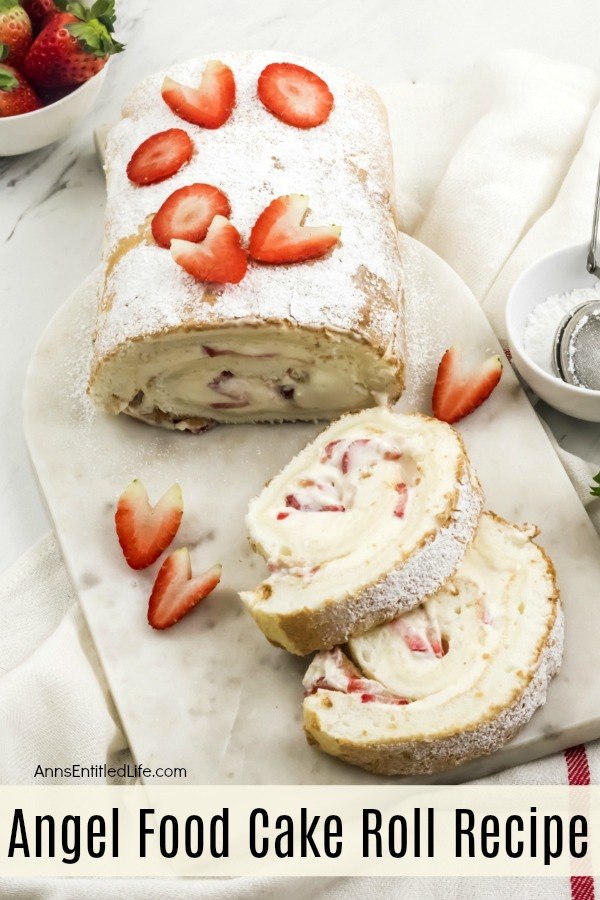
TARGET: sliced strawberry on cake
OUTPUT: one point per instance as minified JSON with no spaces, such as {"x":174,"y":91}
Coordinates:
{"x":187,"y":213}
{"x":219,"y":258}
{"x":459,"y":390}
{"x":144,"y":531}
{"x":175,"y":592}
{"x":208,"y":105}
{"x":279,"y":236}
{"x":160,"y":156}
{"x":295,"y":95}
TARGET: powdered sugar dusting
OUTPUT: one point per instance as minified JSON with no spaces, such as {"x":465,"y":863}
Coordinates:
{"x":426,"y":757}
{"x":544,"y":319}
{"x":499,"y":722}
{"x":82,"y":328}
{"x":343,"y":165}
{"x":433,"y":564}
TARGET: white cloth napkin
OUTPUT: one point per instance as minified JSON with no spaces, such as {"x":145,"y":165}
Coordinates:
{"x":492,"y":171}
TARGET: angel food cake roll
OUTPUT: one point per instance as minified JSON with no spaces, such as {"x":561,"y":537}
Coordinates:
{"x":251,"y":268}
{"x":452,"y":680}
{"x":364,"y":523}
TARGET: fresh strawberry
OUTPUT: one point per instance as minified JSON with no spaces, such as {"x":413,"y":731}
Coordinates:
{"x":295,"y":95}
{"x":279,"y":236}
{"x":40,"y":12}
{"x":218,"y":258}
{"x":175,"y":592}
{"x":187,"y":213}
{"x":73,"y":46}
{"x":160,"y":156}
{"x":15,"y":31}
{"x":144,"y":531}
{"x":209,"y":105}
{"x":16,"y":95}
{"x":458,"y":392}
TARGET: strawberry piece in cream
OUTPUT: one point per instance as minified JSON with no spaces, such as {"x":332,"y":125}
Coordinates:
{"x":331,"y":670}
{"x":231,"y":387}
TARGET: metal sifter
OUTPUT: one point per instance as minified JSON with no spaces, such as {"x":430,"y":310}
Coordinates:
{"x":576,"y":352}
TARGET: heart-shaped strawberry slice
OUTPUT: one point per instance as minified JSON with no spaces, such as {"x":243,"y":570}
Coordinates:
{"x":175,"y":592}
{"x":144,"y":531}
{"x":219,"y":258}
{"x":208,"y":105}
{"x":280,"y":237}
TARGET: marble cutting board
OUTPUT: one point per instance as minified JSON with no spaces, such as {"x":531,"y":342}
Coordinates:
{"x":211,"y":694}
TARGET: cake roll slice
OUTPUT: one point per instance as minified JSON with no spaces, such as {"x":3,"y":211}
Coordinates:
{"x":452,"y":680}
{"x":364,"y":523}
{"x":307,"y":340}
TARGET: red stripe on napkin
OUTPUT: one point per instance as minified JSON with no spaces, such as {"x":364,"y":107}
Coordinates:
{"x":578,"y":771}
{"x":582,"y":887}
{"x":578,"y":768}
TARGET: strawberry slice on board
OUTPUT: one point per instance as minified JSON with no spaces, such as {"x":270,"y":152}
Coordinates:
{"x":295,"y":95}
{"x":458,"y":390}
{"x":175,"y":592}
{"x":187,"y":213}
{"x":219,"y":258}
{"x":278,"y":235}
{"x":160,"y":156}
{"x":144,"y":532}
{"x":209,"y":105}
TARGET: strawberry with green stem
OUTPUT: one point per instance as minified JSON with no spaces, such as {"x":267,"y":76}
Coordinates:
{"x":75,"y":45}
{"x":595,"y":488}
{"x":16,"y":94}
{"x":15,"y":31}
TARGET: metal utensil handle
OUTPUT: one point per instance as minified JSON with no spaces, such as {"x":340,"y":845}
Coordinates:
{"x":592,"y":268}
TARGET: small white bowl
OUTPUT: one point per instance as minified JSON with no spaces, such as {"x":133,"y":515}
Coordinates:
{"x":557,"y":273}
{"x":22,"y":134}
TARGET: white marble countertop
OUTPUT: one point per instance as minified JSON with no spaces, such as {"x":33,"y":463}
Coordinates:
{"x":52,"y":201}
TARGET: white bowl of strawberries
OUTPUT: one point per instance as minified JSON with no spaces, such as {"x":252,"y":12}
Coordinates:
{"x":53,"y":56}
